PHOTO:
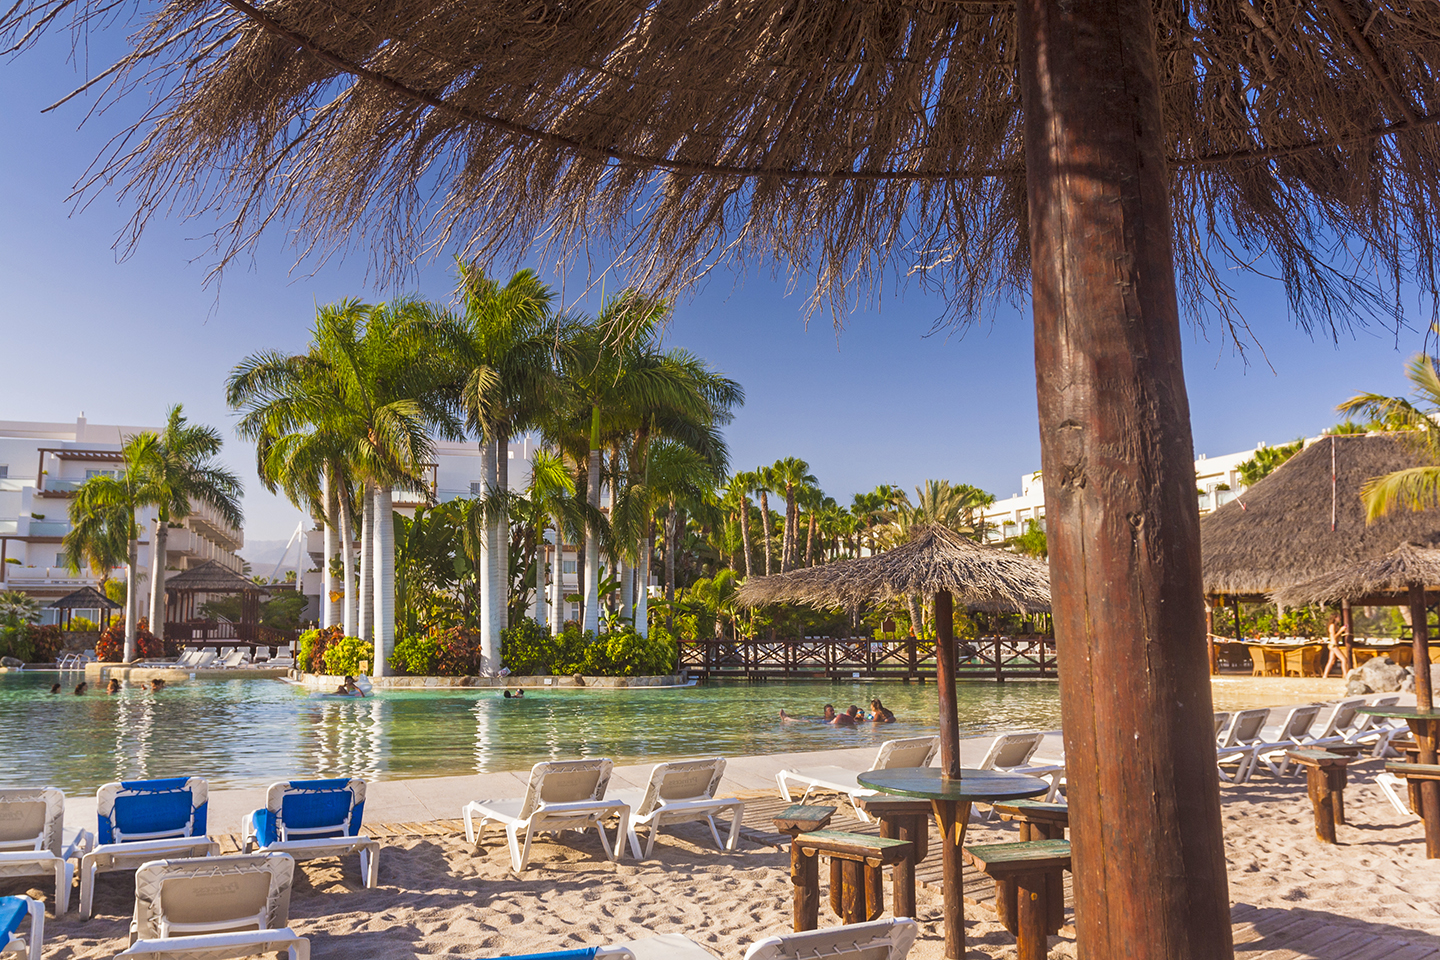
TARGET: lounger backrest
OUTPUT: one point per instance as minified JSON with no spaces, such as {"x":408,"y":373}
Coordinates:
{"x":1246,"y":727}
{"x":1299,"y":721}
{"x":1011,"y":750}
{"x":151,"y":809}
{"x":1341,"y":717}
{"x":204,"y":658}
{"x":566,"y":781}
{"x":307,"y":809}
{"x":212,"y":895}
{"x":877,"y":940}
{"x":1220,"y":720}
{"x":679,"y":780}
{"x":909,"y":752}
{"x":32,"y":819}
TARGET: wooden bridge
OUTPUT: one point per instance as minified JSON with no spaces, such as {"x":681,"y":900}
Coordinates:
{"x":986,"y":658}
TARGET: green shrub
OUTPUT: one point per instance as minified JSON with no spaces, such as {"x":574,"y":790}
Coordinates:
{"x":313,"y":644}
{"x":416,"y":656}
{"x":344,"y":657}
{"x":457,"y":652}
{"x":527,"y":648}
{"x":624,"y":653}
{"x":46,"y":643}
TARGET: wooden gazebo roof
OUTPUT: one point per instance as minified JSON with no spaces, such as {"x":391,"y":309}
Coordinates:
{"x":211,"y":577}
{"x":86,"y":598}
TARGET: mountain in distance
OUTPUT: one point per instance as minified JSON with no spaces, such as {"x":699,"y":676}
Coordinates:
{"x":263,"y":554}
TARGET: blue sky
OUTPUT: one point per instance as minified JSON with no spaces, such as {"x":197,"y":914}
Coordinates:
{"x":882,"y":403}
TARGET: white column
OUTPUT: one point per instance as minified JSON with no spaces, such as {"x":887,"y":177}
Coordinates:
{"x":329,"y":609}
{"x":367,"y":564}
{"x":557,"y":587}
{"x":384,"y":582}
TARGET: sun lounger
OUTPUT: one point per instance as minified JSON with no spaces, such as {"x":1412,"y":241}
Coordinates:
{"x":1220,"y":720}
{"x":235,"y":658}
{"x":1396,"y":791}
{"x":234,"y":906}
{"x":1293,"y":729}
{"x":1012,"y":752}
{"x":1334,"y":723}
{"x":14,"y":911}
{"x":560,"y":795}
{"x":33,"y":840}
{"x":143,"y":820}
{"x":876,"y":940}
{"x":1379,"y":730}
{"x":1246,"y":729}
{"x":314,"y":818}
{"x":680,"y":791}
{"x":910,"y":752}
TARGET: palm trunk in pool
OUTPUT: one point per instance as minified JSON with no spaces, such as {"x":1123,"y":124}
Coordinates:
{"x":384,"y":582}
{"x":132,"y":595}
{"x":347,"y":563}
{"x":367,"y":563}
{"x":157,"y":576}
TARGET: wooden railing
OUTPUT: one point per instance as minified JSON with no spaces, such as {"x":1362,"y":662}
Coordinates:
{"x":987,"y":658}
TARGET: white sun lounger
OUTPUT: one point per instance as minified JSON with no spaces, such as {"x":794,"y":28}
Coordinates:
{"x":876,"y":940}
{"x":561,"y":795}
{"x":34,"y":842}
{"x":235,"y":658}
{"x":314,"y":818}
{"x":1246,"y":729}
{"x":1292,"y":732}
{"x":1379,"y":730}
{"x":235,"y":906}
{"x":680,"y":791}
{"x":14,"y":911}
{"x":909,"y":752}
{"x":143,"y":820}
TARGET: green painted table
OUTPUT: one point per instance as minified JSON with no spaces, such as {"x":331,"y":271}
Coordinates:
{"x":950,"y":799}
{"x":1425,"y":724}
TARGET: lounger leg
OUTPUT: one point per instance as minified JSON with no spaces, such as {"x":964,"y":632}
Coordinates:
{"x":37,"y":928}
{"x":784,"y":787}
{"x":469,"y":816}
{"x":87,"y":886}
{"x":300,"y":949}
{"x":634,"y":842}
{"x":650,"y":840}
{"x":714,"y":832}
{"x":518,"y":858}
{"x":370,"y":866}
{"x":63,"y":878}
{"x":605,"y":841}
{"x":737,"y":813}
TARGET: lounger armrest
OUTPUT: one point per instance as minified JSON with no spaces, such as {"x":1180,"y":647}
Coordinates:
{"x":667,"y":946}
{"x":322,"y":846}
{"x":712,"y":803}
{"x":140,"y":851}
{"x":79,"y":845}
{"x":245,"y":943}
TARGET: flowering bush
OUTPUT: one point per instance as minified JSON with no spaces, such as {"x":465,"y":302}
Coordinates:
{"x":110,"y":648}
{"x":313,"y":644}
{"x":349,"y":656}
{"x":457,"y":652}
{"x":416,"y":656}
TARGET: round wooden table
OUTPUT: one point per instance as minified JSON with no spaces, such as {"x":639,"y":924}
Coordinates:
{"x":1425,"y":724}
{"x":950,"y":799}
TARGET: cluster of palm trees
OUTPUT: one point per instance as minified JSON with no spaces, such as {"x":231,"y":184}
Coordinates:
{"x":342,"y":426}
{"x":169,"y":472}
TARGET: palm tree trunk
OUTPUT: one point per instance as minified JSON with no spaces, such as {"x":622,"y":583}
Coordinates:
{"x":347,"y":563}
{"x":502,"y":531}
{"x":917,"y":622}
{"x":745,"y":530}
{"x":384,"y":582}
{"x":367,"y":563}
{"x":810,"y":542}
{"x":671,"y":523}
{"x":787,"y":537}
{"x":642,"y":577}
{"x":132,"y":596}
{"x":157,"y":576}
{"x":540,"y":612}
{"x":329,"y":608}
{"x":765,"y":527}
{"x":592,"y":542}
{"x":557,"y":585}
{"x":485,"y":575}
{"x":627,"y":590}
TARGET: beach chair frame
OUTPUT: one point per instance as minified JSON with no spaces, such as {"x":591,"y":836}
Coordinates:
{"x":11,"y":939}
{"x":682,"y":791}
{"x":543,"y":809}
{"x":904,"y":752}
{"x":1294,"y":728}
{"x":47,"y":851}
{"x":1247,"y":728}
{"x":300,"y":818}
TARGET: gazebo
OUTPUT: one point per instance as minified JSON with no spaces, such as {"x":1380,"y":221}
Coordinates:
{"x":186,"y":591}
{"x":86,"y":598}
{"x":1305,"y":520}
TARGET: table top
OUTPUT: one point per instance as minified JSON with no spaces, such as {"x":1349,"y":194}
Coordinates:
{"x":1400,"y":713}
{"x":927,"y":783}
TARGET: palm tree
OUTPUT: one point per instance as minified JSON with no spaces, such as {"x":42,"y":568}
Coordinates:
{"x":764,"y":484}
{"x":790,"y":473}
{"x":742,"y":484}
{"x":178,"y":471}
{"x":552,"y":496}
{"x":679,"y":480}
{"x":1414,"y":488}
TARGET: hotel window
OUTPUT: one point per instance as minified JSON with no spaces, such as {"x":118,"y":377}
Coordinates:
{"x":59,"y":559}
{"x":476,"y":489}
{"x":4,"y":471}
{"x":568,"y":566}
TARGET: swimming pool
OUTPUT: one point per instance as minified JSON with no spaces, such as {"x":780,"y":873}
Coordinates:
{"x":245,"y":733}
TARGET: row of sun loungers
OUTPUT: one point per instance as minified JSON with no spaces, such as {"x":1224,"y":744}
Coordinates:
{"x":210,"y":659}
{"x":1246,"y":742}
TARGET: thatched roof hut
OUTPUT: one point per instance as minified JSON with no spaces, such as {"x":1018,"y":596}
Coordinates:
{"x":211,"y":577}
{"x":936,"y":559}
{"x":1370,"y":582}
{"x":86,"y":598}
{"x":1304,"y":521}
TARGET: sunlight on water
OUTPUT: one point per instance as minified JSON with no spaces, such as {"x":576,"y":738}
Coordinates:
{"x":252,"y":732}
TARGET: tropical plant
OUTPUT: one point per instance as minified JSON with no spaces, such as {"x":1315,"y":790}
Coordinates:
{"x":19,"y":615}
{"x":114,"y":647}
{"x":1266,"y":460}
{"x":1032,"y":542}
{"x":790,"y":474}
{"x":1414,"y":488}
{"x":349,"y":657}
{"x":312,"y":647}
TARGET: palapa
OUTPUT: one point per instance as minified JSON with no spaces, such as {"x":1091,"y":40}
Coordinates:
{"x":978,"y":577}
{"x":1408,"y":565}
{"x":86,"y":598}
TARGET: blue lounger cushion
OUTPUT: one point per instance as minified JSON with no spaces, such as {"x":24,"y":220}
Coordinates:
{"x":312,"y":804}
{"x":14,"y":911}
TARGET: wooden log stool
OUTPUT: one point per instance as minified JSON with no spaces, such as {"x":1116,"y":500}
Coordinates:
{"x":857,"y":863}
{"x":1325,"y":781}
{"x":1039,"y":820}
{"x":903,"y":819}
{"x":1414,"y":775}
{"x":1022,"y":873}
{"x":799,"y":818}
{"x":796,"y":819}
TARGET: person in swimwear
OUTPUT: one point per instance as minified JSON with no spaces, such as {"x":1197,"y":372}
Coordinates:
{"x":878,"y":713}
{"x":349,"y":688}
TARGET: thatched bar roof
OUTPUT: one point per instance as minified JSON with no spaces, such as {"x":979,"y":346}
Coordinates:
{"x":86,"y":598}
{"x":977,"y":576}
{"x":1369,"y":579}
{"x":1279,"y":534}
{"x":211,"y":577}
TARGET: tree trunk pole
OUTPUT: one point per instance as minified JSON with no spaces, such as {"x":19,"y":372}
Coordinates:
{"x":384,"y":582}
{"x":157,"y":576}
{"x":329,"y":607}
{"x":1420,"y":633}
{"x":366,"y":600}
{"x":945,"y":680}
{"x":1119,"y":476}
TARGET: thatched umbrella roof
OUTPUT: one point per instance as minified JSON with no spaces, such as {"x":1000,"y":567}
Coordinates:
{"x":1395,"y":573}
{"x":211,"y":577}
{"x":1279,"y":533}
{"x":86,"y":598}
{"x":977,"y":576}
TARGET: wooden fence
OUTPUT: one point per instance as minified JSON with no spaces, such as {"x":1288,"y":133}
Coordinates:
{"x":988,"y":658}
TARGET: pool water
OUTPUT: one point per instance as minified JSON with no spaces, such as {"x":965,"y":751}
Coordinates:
{"x":246,"y":733}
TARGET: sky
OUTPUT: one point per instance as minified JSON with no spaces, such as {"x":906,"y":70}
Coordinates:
{"x":120,"y":339}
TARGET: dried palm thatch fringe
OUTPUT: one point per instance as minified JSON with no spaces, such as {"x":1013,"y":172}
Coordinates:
{"x":935,"y":559}
{"x":1279,"y":532}
{"x":1395,"y":572}
{"x":843,"y":139}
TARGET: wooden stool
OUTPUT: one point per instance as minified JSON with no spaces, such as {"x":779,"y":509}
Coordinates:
{"x":903,"y":819}
{"x":1022,"y":873}
{"x":1415,"y":774}
{"x":857,"y":862}
{"x":1038,"y":820}
{"x":1325,"y":780}
{"x":799,"y":818}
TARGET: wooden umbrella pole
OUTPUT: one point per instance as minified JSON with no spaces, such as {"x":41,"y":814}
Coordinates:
{"x":945,"y":680}
{"x":1118,"y":462}
{"x":1420,"y":634}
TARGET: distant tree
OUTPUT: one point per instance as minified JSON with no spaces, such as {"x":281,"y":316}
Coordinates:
{"x":1032,"y":542}
{"x":1265,"y":461}
{"x":1415,"y":488}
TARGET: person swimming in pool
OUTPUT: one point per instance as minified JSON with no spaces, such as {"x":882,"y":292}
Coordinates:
{"x":55,"y":688}
{"x":80,"y":688}
{"x":113,"y":687}
{"x":827,"y":715}
{"x":349,"y":688}
{"x":878,"y":712}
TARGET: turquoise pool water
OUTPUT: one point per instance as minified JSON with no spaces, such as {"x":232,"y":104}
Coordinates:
{"x":242,"y":733}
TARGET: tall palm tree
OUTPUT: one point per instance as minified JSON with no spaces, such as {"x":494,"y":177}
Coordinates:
{"x":1415,"y":488}
{"x":681,"y":481}
{"x":764,"y":485}
{"x":737,"y":496}
{"x":789,"y":474}
{"x":178,"y":471}
{"x":551,"y":493}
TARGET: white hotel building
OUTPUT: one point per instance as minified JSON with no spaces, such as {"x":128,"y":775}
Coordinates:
{"x":1217,"y":482}
{"x":41,"y":466}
